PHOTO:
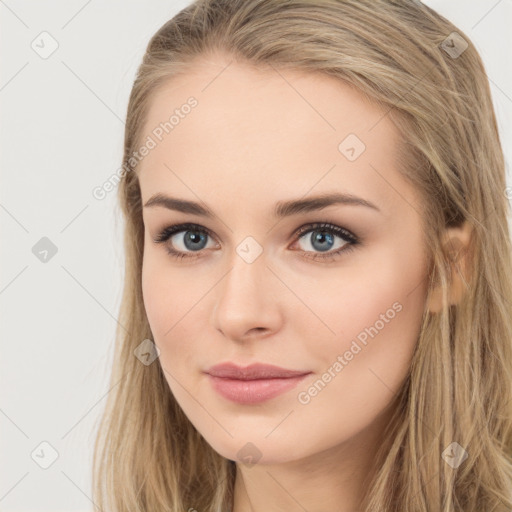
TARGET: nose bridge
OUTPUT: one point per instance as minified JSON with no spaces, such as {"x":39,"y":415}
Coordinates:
{"x":247,"y":271}
{"x":245,"y":300}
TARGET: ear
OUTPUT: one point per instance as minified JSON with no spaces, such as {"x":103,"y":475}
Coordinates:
{"x":456,"y":243}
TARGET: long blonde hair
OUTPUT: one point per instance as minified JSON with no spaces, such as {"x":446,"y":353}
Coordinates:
{"x":400,"y":55}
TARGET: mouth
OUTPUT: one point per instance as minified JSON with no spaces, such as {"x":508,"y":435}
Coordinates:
{"x":255,"y":390}
{"x":253,"y":384}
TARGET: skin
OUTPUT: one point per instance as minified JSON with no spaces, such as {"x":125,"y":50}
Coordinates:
{"x":255,"y":138}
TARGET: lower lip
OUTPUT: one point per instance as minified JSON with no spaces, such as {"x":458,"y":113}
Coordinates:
{"x":253,"y":391}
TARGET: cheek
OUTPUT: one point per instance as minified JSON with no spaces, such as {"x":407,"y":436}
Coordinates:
{"x":163,"y":296}
{"x":385,"y":289}
{"x":370,"y":312}
{"x":374,"y":313}
{"x":153,"y":293}
{"x":175,"y":308}
{"x":361,"y":368}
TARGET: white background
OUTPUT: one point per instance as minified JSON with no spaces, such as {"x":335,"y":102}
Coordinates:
{"x":62,"y":134}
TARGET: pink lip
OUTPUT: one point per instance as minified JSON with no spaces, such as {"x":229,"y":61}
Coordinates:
{"x":254,"y":383}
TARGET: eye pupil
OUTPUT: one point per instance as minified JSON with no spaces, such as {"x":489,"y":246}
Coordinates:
{"x":192,"y":237}
{"x":321,"y":236}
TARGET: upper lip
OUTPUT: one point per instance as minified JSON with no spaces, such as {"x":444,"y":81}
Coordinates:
{"x":252,"y":372}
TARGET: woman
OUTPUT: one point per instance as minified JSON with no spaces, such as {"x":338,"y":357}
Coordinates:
{"x":316,"y":311}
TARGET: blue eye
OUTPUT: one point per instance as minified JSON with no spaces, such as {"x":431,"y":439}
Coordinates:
{"x":322,"y":237}
{"x":193,"y":239}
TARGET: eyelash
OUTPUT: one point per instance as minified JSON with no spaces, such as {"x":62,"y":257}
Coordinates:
{"x":346,"y":235}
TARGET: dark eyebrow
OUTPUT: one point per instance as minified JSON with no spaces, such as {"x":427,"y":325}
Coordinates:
{"x":282,"y":208}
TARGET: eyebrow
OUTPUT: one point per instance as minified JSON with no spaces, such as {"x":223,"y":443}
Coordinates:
{"x":281,"y":209}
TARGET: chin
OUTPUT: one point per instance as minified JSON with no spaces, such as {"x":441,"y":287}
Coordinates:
{"x":249,"y":450}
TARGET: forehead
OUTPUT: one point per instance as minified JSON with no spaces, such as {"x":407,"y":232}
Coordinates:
{"x":262,"y":102}
{"x":265,"y":132}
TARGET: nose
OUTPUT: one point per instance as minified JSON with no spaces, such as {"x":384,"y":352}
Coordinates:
{"x":247,"y":302}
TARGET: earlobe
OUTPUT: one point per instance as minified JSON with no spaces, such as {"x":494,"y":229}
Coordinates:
{"x":456,"y":247}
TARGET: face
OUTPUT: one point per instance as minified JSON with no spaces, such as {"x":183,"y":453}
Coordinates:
{"x":276,"y":273}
